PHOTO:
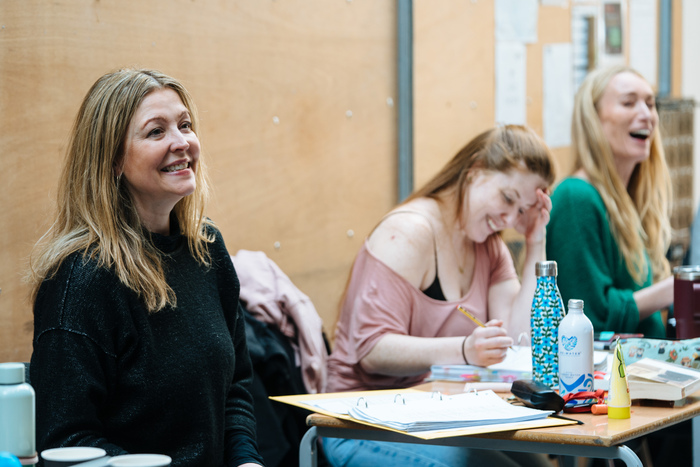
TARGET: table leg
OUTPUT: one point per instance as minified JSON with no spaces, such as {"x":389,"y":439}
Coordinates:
{"x":696,"y":441}
{"x":628,"y":457}
{"x":308,"y":449}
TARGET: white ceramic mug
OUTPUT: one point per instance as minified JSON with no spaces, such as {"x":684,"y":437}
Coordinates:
{"x":140,"y":460}
{"x":61,"y":457}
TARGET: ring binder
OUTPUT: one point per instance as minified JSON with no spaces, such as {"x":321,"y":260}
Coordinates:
{"x":435,"y":413}
{"x":425,"y":414}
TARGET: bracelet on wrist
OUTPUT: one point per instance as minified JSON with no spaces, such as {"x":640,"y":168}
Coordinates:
{"x":464,"y":354}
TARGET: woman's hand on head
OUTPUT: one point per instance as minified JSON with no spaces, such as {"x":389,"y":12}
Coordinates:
{"x":533,"y":222}
{"x":488,"y":345}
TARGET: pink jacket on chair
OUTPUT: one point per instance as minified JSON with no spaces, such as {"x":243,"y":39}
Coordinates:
{"x":271,"y":297}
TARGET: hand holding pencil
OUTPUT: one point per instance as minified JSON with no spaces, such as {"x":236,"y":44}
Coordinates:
{"x":488,"y":343}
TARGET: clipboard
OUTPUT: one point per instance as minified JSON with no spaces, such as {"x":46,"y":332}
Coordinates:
{"x":332,"y":404}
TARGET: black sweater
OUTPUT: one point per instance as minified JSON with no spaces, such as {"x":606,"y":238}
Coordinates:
{"x":109,"y":374}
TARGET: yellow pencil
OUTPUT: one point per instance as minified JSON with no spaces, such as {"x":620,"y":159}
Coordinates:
{"x":471,"y":317}
{"x":476,"y":320}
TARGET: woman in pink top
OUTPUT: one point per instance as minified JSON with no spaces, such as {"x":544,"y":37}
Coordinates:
{"x":439,"y":249}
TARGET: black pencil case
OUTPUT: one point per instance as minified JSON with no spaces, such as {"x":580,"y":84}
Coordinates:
{"x":537,"y":395}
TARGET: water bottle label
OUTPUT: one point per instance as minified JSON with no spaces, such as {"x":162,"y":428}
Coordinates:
{"x":575,"y":365}
{"x":547,"y":313}
{"x":569,"y":343}
{"x":575,"y":382}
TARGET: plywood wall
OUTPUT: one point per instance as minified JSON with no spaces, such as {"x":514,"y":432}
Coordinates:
{"x":293,"y":97}
{"x":298,"y":115}
{"x":454,"y":76}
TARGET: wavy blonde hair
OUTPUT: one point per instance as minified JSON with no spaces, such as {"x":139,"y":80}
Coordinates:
{"x":96,"y":214}
{"x":638,"y":213}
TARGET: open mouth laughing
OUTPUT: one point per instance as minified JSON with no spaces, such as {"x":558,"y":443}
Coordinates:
{"x":642,"y":134}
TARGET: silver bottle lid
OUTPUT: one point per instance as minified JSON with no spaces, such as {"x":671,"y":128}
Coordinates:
{"x":575,"y":303}
{"x":546,"y":268}
{"x":688,"y":273}
{"x":11,"y":373}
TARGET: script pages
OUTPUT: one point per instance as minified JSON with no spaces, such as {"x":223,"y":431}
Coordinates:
{"x":423,"y":414}
{"x":445,"y":412}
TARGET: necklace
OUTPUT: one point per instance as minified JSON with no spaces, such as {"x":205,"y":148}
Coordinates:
{"x":450,"y":234}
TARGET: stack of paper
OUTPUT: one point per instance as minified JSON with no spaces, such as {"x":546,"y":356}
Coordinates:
{"x":654,"y":379}
{"x":472,"y":413}
{"x":450,"y":412}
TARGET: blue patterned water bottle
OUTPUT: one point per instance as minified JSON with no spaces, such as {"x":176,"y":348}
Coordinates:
{"x":545,"y":316}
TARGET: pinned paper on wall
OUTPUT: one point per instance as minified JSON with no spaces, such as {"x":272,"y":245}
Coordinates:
{"x":510,"y":83}
{"x":561,"y":3}
{"x":642,"y":24}
{"x":516,"y":20}
{"x":584,"y":40}
{"x":558,"y":94}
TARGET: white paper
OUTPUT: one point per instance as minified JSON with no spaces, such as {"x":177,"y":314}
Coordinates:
{"x":643,"y":53}
{"x":561,"y":3}
{"x":558,"y":94}
{"x":516,"y":20}
{"x":510,"y":83}
{"x":579,"y":38}
{"x":517,"y":358}
{"x":450,"y":412}
{"x":342,"y":405}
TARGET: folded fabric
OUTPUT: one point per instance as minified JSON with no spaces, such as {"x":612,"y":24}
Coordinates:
{"x":271,"y":297}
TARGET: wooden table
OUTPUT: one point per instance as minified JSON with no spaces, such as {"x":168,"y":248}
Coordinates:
{"x":597,"y":437}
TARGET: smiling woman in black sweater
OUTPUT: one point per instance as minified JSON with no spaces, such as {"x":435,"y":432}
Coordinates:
{"x":139,"y":343}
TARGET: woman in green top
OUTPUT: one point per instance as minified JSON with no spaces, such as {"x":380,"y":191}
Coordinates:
{"x":609,"y":229}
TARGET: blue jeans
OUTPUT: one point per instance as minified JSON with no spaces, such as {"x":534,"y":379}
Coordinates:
{"x":363,"y":453}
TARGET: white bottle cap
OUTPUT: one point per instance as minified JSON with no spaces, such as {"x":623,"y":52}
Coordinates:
{"x":11,"y":373}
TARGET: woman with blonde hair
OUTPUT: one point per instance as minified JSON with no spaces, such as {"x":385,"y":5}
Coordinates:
{"x":438,"y":250}
{"x":139,"y":342}
{"x":610,"y":230}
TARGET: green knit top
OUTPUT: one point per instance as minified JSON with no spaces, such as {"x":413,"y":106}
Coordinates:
{"x":590,"y":265}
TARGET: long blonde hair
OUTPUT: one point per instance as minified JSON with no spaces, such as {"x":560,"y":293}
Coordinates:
{"x":96,"y":214}
{"x":638,"y":213}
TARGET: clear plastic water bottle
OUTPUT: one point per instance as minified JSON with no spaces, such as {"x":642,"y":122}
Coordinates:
{"x":17,"y":412}
{"x":575,"y":351}
{"x":546,"y":314}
